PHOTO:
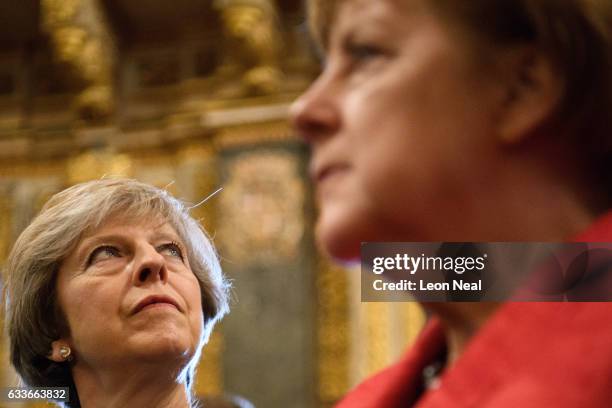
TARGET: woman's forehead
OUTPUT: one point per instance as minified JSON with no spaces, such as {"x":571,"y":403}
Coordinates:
{"x":122,"y":222}
{"x":405,"y":5}
{"x":389,"y":15}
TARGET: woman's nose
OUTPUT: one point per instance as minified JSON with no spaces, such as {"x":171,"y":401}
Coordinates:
{"x":150,"y":266}
{"x":315,"y":115}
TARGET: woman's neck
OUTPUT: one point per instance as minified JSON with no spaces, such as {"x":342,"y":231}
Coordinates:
{"x":531,"y":212}
{"x":138,"y":387}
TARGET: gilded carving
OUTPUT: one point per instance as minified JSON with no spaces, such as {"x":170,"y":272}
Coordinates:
{"x":253,"y":134}
{"x":77,"y":41}
{"x":57,"y":12}
{"x":95,"y":102}
{"x":254,"y":44}
{"x":262,"y":208}
{"x":69,"y":43}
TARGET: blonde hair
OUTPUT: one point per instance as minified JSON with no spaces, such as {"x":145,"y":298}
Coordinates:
{"x":33,"y":317}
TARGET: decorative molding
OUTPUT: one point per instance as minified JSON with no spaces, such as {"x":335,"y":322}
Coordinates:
{"x":245,"y":115}
{"x":249,"y":135}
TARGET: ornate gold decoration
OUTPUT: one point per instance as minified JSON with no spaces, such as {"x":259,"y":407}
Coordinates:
{"x":77,"y":32}
{"x":57,"y":12}
{"x":95,"y":102}
{"x":69,"y":43}
{"x":253,"y":44}
{"x":333,"y":340}
{"x":262,"y":207}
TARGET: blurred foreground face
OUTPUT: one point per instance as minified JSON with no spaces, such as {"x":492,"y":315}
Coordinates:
{"x":402,"y":127}
{"x":129,"y":294}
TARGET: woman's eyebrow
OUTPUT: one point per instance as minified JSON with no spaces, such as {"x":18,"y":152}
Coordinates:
{"x":89,"y":242}
{"x":98,"y":239}
{"x":165,"y":236}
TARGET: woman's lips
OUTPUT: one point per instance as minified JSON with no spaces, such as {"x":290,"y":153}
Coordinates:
{"x":156,"y":301}
{"x":329,"y":171}
{"x":158,"y":305}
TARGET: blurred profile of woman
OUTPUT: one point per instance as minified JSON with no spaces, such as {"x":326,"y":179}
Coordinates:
{"x":113,"y":290}
{"x":477,"y":120}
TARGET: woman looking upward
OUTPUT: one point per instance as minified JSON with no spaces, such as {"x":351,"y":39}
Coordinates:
{"x":113,"y":290}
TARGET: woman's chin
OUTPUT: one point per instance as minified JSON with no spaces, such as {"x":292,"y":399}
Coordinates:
{"x":338,"y":238}
{"x":341,"y":230}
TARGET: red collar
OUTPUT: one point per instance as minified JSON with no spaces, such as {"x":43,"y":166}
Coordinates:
{"x":600,"y":231}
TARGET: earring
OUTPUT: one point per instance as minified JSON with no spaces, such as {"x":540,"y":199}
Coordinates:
{"x":66,"y":353}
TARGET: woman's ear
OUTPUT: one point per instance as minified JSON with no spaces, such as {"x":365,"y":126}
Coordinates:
{"x":532,"y":92}
{"x":60,"y":351}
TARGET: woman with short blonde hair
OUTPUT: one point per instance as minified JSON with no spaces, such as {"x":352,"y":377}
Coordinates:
{"x":112,"y":290}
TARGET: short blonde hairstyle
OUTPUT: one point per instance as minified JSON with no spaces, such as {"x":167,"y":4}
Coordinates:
{"x":34,"y":319}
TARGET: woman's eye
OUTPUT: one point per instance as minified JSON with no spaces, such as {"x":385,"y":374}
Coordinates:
{"x":101,"y":253}
{"x":173,"y":249}
{"x":363,"y":52}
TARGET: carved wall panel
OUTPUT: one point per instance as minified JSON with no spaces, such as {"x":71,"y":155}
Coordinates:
{"x":261,"y":233}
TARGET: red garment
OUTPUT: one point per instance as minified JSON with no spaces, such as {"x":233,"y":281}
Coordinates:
{"x":528,"y":355}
